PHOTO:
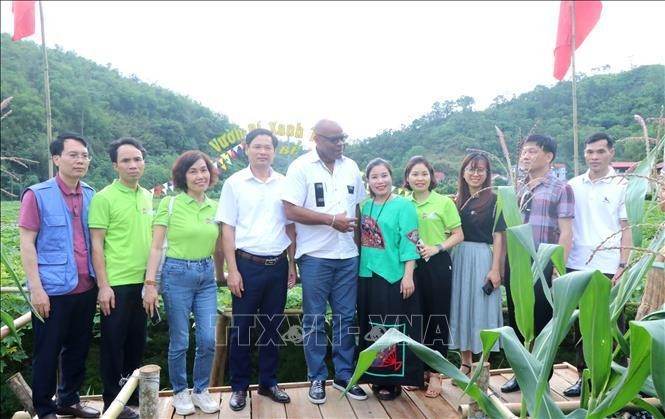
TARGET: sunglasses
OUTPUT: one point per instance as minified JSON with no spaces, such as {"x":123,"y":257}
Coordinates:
{"x":333,"y":140}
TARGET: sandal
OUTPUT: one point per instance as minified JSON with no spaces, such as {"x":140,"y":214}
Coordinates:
{"x":386,"y":392}
{"x":434,"y":385}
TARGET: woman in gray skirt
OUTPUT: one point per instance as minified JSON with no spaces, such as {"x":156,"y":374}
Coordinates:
{"x":476,"y":298}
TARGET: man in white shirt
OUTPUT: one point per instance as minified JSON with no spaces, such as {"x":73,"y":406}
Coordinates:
{"x":258,"y":243}
{"x":600,"y":219}
{"x":321,"y":194}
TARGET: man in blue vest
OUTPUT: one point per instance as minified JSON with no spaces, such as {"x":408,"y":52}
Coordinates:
{"x":56,"y":256}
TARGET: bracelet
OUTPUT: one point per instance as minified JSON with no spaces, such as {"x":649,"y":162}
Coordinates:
{"x":333,"y":221}
{"x":150,"y":282}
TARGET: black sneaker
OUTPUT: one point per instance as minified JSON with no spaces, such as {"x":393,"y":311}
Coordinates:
{"x":354,"y":392}
{"x":317,"y":392}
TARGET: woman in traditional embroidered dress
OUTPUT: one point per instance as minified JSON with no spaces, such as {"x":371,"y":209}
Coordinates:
{"x":389,"y":232}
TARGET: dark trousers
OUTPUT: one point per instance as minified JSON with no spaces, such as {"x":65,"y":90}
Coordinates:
{"x":67,"y":332}
{"x":123,"y":340}
{"x":261,"y":307}
{"x":434,"y":278}
{"x":542,"y":310}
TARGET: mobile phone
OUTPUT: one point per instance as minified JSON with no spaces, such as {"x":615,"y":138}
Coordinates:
{"x":488,"y":288}
{"x":155,"y":318}
{"x":419,"y":245}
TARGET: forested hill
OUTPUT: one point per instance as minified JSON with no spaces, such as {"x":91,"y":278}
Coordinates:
{"x":605,"y":102}
{"x":100,"y":103}
{"x":104,"y":105}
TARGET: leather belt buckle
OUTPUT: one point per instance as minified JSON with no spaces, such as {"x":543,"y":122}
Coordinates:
{"x":271,"y":261}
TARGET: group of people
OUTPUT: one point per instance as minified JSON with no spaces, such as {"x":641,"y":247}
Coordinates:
{"x":429,"y":265}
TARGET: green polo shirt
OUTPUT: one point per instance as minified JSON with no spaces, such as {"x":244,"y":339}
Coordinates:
{"x":192,"y":231}
{"x":388,"y":238}
{"x":126,"y":215}
{"x":437,"y":215}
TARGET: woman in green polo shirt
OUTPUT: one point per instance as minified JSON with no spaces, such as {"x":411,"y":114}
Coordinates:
{"x":440,"y":229}
{"x":389,"y":232}
{"x":188,"y":283}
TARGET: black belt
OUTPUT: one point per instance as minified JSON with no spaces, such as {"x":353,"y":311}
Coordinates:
{"x":262,"y":260}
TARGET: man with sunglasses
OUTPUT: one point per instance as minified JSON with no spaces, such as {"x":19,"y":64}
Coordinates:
{"x":548,"y":205}
{"x":321,"y":194}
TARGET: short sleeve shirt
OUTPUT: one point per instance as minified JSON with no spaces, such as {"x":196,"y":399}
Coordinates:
{"x":255,"y":210}
{"x":191,"y":231}
{"x":437,"y":216}
{"x":126,"y":215}
{"x":599,"y":209}
{"x":309,"y":184}
{"x":478,"y":220}
{"x":542,"y":206}
{"x":388,"y":234}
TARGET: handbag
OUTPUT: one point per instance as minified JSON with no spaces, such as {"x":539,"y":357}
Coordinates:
{"x":165,"y":244}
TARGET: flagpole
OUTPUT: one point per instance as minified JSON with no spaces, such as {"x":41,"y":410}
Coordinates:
{"x":47,"y":93}
{"x":572,"y":49}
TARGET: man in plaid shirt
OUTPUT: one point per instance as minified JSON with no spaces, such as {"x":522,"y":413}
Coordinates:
{"x":548,"y":205}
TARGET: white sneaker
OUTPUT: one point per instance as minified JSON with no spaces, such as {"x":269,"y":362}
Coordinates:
{"x":182,"y":403}
{"x":205,"y":402}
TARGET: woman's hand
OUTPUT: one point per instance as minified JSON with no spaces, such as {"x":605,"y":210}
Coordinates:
{"x":494,"y":277}
{"x":426,"y":251}
{"x":150,"y":299}
{"x":406,"y":286}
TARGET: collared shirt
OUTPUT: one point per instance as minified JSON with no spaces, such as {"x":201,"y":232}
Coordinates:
{"x":437,"y":216}
{"x":29,"y":218}
{"x":599,"y":208}
{"x":256,"y":211}
{"x":191,"y":231}
{"x":543,"y":205}
{"x":309,"y":184}
{"x":126,"y":215}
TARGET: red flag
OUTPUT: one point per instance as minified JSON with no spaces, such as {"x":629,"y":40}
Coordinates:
{"x":587,"y":14}
{"x":24,"y":19}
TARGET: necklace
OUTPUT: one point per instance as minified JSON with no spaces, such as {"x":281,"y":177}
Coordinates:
{"x":371,"y":208}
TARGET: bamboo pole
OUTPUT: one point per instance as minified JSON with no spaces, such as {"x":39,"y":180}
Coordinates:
{"x":576,"y":156}
{"x":482,"y":382}
{"x":149,"y":391}
{"x":22,"y":391}
{"x":18,"y":323}
{"x":47,"y":93}
{"x":121,"y":399}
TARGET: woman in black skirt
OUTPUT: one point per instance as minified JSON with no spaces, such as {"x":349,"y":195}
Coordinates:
{"x":389,"y":232}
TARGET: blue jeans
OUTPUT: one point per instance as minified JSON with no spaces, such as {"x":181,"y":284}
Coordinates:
{"x":189,"y":286}
{"x":334,"y":281}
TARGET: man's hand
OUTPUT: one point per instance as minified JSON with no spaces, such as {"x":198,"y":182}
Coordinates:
{"x":234,"y":282}
{"x":150,"y":299}
{"x":344,"y":224}
{"x":617,"y":276}
{"x":106,"y":300}
{"x":40,"y":302}
{"x":293,"y":277}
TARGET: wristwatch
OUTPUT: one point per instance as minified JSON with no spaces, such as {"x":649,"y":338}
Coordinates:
{"x":622,"y":265}
{"x":440,"y":247}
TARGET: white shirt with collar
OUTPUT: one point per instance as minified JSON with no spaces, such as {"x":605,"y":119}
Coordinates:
{"x":256,"y":211}
{"x":599,"y":208}
{"x":309,"y":184}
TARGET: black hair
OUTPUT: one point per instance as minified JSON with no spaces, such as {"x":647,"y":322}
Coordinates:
{"x":184,"y":162}
{"x":260,"y":131}
{"x":57,"y":145}
{"x":115,"y":145}
{"x":409,"y":166}
{"x":374,"y":163}
{"x":599,"y":136}
{"x":547,"y":144}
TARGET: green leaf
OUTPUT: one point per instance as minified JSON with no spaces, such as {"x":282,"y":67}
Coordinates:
{"x":521,"y":280}
{"x":653,"y":410}
{"x":432,"y":358}
{"x":636,"y":192}
{"x":594,"y":319}
{"x":506,"y":204}
{"x":8,"y":320}
{"x":14,"y":277}
{"x":638,"y":368}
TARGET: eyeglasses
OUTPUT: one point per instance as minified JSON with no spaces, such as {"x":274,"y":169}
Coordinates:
{"x":78,"y":156}
{"x":334,"y":140}
{"x":476,"y":170}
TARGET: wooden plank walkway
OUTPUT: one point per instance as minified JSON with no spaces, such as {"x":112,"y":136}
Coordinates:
{"x":410,"y":405}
